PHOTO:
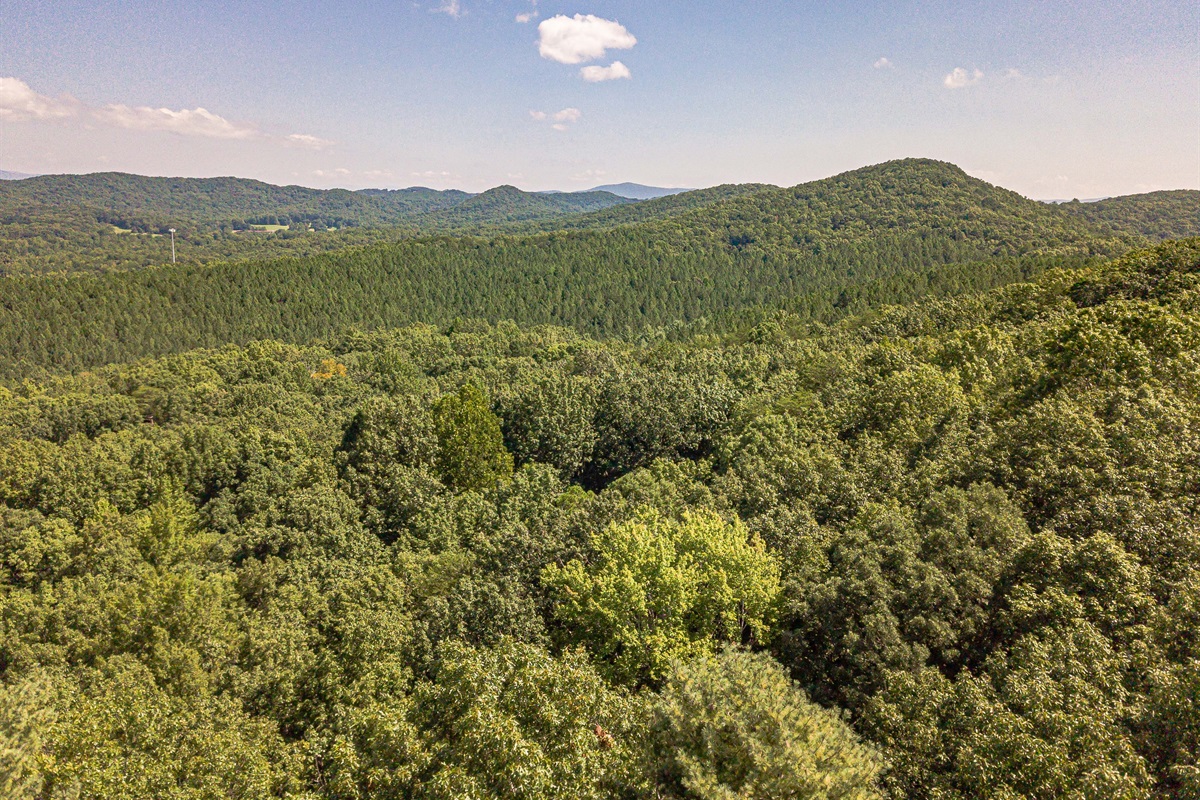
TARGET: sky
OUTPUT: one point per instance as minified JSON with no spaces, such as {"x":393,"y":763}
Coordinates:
{"x":1054,"y":100}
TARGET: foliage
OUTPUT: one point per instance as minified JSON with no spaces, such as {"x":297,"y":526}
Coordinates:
{"x":471,"y":452}
{"x":886,"y":234}
{"x":968,"y":527}
{"x":657,"y":589}
{"x":513,"y":722}
{"x":734,"y":725}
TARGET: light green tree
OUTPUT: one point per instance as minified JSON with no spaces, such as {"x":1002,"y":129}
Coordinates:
{"x":659,"y":589}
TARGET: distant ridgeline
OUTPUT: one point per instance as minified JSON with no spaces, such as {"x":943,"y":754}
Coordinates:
{"x":110,"y":221}
{"x":101,"y":221}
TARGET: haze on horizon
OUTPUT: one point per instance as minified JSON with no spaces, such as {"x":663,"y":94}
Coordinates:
{"x":1051,"y":100}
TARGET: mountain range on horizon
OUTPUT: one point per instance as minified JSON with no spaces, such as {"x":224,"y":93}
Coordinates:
{"x":55,"y":222}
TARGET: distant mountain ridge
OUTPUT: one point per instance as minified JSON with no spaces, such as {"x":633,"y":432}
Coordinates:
{"x":119,"y":197}
{"x":76,"y":223}
{"x":638,"y":191}
{"x":6,"y":175}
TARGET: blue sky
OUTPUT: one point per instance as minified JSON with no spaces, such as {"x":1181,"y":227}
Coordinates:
{"x":1054,"y":100}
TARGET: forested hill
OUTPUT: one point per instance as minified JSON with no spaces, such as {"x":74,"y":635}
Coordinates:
{"x":113,"y":221}
{"x":945,"y":550}
{"x":1156,"y":215}
{"x":508,"y":204}
{"x":238,"y":202}
{"x":888,"y":234}
{"x":918,"y":197}
{"x":216,"y":201}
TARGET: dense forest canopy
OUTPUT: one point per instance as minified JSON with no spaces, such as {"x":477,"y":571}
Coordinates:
{"x":946,"y":549}
{"x":885,"y":234}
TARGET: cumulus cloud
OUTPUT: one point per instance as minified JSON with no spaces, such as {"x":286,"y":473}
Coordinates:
{"x":959,"y":78}
{"x":884,"y":63}
{"x":186,"y":122}
{"x":560,"y":120}
{"x":572,"y":40}
{"x":612,"y":72}
{"x":20,"y":103}
{"x":528,"y":16}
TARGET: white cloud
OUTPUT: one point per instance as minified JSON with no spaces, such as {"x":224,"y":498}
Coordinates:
{"x":571,"y":40}
{"x":20,"y":103}
{"x":186,"y":122}
{"x":560,"y":120}
{"x":612,"y":72}
{"x":884,"y":63}
{"x":450,"y":7}
{"x":311,"y":142}
{"x":429,"y":173}
{"x":960,"y":78}
{"x":1013,"y":73}
{"x":528,"y":16}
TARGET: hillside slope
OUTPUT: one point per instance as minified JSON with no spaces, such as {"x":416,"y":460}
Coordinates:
{"x":1155,"y":215}
{"x":885,"y":234}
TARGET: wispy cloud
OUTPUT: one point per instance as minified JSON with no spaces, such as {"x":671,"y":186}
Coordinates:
{"x":568,"y":115}
{"x":528,"y":16}
{"x":884,"y":63}
{"x":304,"y":140}
{"x":451,"y":8}
{"x":20,"y":103}
{"x":612,"y":72}
{"x":959,"y":78}
{"x":186,"y":122}
{"x":572,"y":40}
